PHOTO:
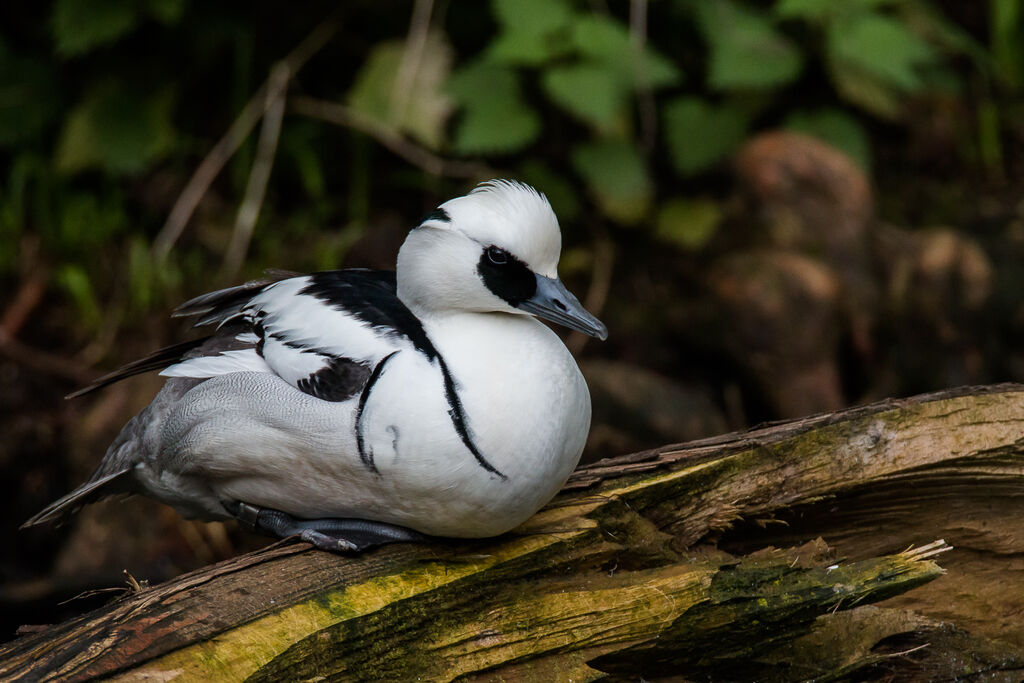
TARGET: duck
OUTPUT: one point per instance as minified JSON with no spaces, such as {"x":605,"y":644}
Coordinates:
{"x":353,"y":408}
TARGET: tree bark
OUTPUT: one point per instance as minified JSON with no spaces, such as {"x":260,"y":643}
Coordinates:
{"x":661,"y":563}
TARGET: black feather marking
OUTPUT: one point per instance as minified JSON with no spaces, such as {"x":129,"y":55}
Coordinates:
{"x":261,"y":334}
{"x":158,"y":360}
{"x":300,"y":346}
{"x":506,"y":276}
{"x":224,"y":304}
{"x":340,"y":380}
{"x":372,"y":297}
{"x":367,"y":458}
{"x":395,"y":434}
{"x":437,"y":215}
{"x":459,"y":421}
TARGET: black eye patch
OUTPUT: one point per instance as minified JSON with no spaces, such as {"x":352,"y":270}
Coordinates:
{"x":509,"y":278}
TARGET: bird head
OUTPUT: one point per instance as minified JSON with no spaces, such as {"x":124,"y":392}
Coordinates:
{"x":495,"y":249}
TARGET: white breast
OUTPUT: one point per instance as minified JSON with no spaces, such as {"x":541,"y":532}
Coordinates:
{"x":528,"y":412}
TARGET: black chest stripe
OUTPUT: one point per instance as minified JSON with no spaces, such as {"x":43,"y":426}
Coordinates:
{"x":458,"y":416}
{"x":367,"y":457}
{"x":371,"y":297}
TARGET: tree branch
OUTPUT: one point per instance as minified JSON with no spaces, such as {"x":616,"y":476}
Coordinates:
{"x":619,"y":576}
{"x":256,"y":188}
{"x":218,"y":156}
{"x":418,"y":156}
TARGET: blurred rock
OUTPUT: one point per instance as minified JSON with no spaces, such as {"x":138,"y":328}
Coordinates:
{"x":636,"y":409}
{"x":781,"y":323}
{"x":938,"y":285}
{"x":812,"y":198}
{"x":933,"y":274}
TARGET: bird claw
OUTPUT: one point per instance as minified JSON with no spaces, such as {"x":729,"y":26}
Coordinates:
{"x":339,"y":535}
{"x":328,"y":543}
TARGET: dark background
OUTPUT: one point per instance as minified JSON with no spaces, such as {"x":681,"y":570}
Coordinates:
{"x":778,"y":208}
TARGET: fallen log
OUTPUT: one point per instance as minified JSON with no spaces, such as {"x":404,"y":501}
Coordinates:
{"x":666,"y":562}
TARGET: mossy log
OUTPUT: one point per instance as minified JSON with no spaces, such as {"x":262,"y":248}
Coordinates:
{"x":662,"y":563}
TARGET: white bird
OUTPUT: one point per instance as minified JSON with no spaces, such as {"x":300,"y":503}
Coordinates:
{"x":359,"y":407}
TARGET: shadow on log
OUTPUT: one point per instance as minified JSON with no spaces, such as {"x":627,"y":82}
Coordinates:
{"x":755,"y":555}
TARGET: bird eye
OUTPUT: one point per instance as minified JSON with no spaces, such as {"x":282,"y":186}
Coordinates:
{"x":497,"y":256}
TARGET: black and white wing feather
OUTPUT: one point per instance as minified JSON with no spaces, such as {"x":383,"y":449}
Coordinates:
{"x":322,"y":333}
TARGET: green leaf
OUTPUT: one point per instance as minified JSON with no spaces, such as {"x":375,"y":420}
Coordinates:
{"x":140,"y":274}
{"x":617,"y":178}
{"x":166,"y":11}
{"x":496,"y":130}
{"x":655,"y":71}
{"x":117,"y":130}
{"x":688,"y":223}
{"x":495,"y":120}
{"x":299,"y":144}
{"x":530,"y":31}
{"x":1006,"y":31}
{"x":593,"y":93}
{"x":25,"y":205}
{"x":828,"y":11}
{"x":523,"y":50}
{"x":746,"y":50}
{"x":601,"y":37}
{"x":880,"y":47}
{"x":837,"y":128}
{"x":596,"y":87}
{"x":805,"y":9}
{"x":75,"y":281}
{"x":419,"y":107}
{"x":700,"y":134}
{"x":30,"y":192}
{"x":29,"y":98}
{"x":88,"y":220}
{"x":606,"y":41}
{"x":990,"y":145}
{"x":80,"y":26}
{"x":1006,"y":16}
{"x":865,"y":91}
{"x":532,"y":16}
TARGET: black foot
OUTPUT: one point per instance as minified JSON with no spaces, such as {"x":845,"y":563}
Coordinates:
{"x":335,"y":535}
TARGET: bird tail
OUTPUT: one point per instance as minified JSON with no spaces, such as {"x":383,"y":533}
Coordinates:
{"x":158,"y":360}
{"x":62,"y":508}
{"x":116,"y":473}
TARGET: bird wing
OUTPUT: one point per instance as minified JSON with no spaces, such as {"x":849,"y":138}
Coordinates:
{"x":322,"y":333}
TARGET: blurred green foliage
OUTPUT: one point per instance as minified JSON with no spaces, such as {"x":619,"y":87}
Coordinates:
{"x":106,"y":106}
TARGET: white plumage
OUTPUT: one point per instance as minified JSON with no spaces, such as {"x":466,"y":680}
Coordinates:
{"x":433,"y":400}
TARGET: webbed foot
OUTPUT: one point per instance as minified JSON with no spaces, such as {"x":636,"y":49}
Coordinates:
{"x":336,"y":535}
